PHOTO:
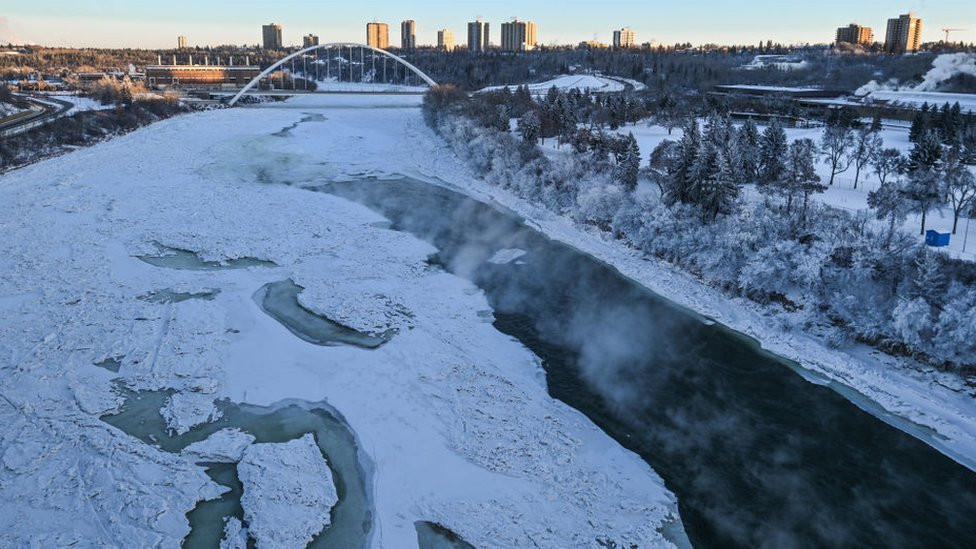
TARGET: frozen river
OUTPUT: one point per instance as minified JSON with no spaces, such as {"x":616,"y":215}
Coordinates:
{"x":756,"y":455}
{"x":187,"y":327}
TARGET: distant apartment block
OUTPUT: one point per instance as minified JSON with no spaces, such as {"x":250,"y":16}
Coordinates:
{"x":518,"y":35}
{"x":623,"y":38}
{"x":408,"y":35}
{"x":271,"y":34}
{"x":478,"y":36}
{"x":181,"y":42}
{"x":445,"y":40}
{"x":904,"y":34}
{"x":855,"y":34}
{"x":592,"y":45}
{"x":310,"y":40}
{"x":378,"y":35}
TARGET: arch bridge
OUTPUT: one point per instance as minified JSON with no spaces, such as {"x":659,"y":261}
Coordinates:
{"x":340,"y":65}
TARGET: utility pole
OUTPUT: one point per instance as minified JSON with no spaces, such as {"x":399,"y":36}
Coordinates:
{"x":965,"y":238}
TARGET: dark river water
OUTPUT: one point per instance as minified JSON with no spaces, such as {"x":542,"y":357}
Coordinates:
{"x":757,"y":456}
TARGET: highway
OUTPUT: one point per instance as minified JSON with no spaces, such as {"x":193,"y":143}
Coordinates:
{"x":42,"y":111}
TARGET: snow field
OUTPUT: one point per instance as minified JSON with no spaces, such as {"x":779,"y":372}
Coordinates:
{"x":452,"y":414}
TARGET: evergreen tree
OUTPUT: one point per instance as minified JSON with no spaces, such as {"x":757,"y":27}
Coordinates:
{"x":629,"y":161}
{"x":717,"y":190}
{"x":918,"y":128}
{"x":679,"y":186}
{"x":968,"y":139}
{"x":772,"y":153}
{"x":876,"y":123}
{"x":924,"y":166}
{"x":733,"y":155}
{"x":125,"y":94}
{"x":552,"y":94}
{"x":530,"y":127}
{"x":747,"y":143}
{"x":926,"y":154}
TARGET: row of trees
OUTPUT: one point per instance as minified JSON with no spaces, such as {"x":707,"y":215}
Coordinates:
{"x":949,"y":124}
{"x":837,"y":272}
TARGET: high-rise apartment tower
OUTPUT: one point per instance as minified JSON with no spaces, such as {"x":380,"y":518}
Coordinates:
{"x":904,"y":34}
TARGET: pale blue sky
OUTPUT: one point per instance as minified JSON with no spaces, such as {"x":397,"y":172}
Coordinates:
{"x":130,"y":23}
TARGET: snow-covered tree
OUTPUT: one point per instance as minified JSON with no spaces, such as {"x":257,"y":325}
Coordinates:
{"x":956,"y":326}
{"x":889,"y":202}
{"x":664,"y":163}
{"x":969,"y":145}
{"x":919,"y":124}
{"x":930,"y":281}
{"x":923,"y":191}
{"x":679,"y":186}
{"x":911,"y":320}
{"x":803,"y":172}
{"x":887,"y":163}
{"x":715,"y":190}
{"x":772,"y":153}
{"x":834,"y":146}
{"x":864,"y":148}
{"x":530,"y":127}
{"x":628,"y":163}
{"x":668,"y":113}
{"x":747,"y":143}
{"x":924,"y":171}
{"x":959,"y":185}
{"x":926,"y":154}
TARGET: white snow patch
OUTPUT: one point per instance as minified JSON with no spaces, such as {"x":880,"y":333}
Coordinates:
{"x":224,"y":446}
{"x":506,"y":255}
{"x":185,"y":410}
{"x":581,"y":82}
{"x":288,"y":492}
{"x":81,"y":104}
{"x":6,"y":109}
{"x":235,"y":535}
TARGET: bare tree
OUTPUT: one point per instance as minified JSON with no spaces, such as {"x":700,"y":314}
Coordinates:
{"x":960,"y":185}
{"x":837,"y":140}
{"x":866,"y":145}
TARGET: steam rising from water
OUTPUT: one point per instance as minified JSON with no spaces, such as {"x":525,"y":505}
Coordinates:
{"x":757,"y":456}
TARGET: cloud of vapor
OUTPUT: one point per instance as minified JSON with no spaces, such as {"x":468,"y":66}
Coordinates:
{"x":943,"y":68}
{"x":7,"y":35}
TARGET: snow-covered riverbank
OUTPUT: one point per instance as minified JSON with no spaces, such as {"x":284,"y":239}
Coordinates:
{"x":934,"y":406}
{"x":453,"y":415}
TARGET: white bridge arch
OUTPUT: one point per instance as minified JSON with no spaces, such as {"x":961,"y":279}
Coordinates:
{"x":301,"y":53}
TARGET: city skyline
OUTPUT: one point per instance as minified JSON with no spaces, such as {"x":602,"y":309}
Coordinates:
{"x":117,"y":23}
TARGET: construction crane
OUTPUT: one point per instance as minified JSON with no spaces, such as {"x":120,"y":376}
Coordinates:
{"x":947,"y":31}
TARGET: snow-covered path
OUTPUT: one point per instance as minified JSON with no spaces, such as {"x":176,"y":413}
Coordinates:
{"x":453,"y":415}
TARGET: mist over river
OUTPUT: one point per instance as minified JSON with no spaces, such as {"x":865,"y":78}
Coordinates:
{"x":757,"y":456}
